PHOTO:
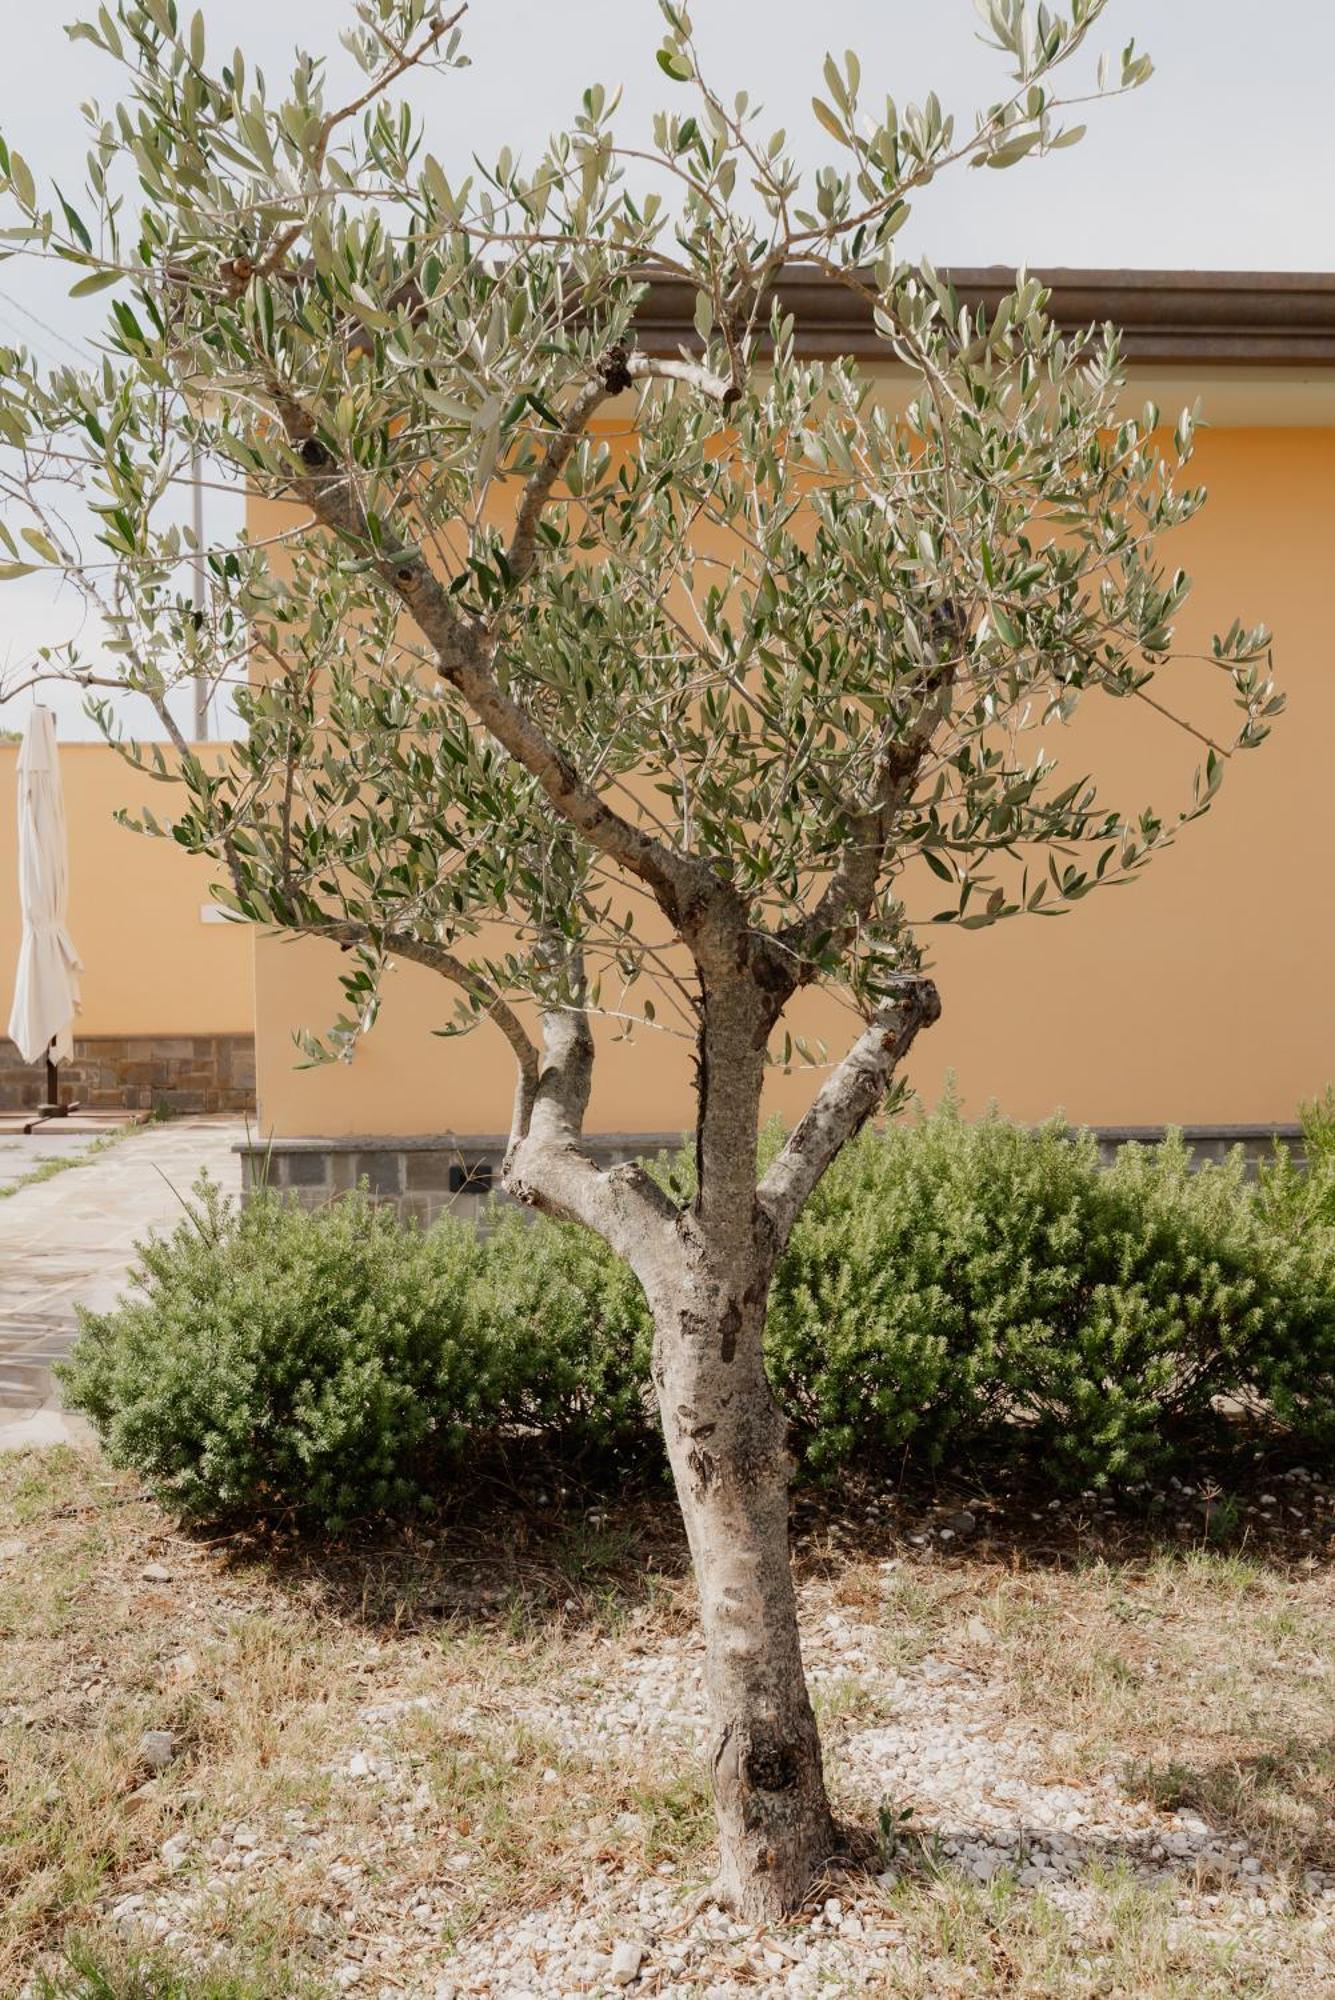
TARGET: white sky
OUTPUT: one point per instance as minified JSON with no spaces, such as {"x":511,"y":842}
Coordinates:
{"x":1226,"y":160}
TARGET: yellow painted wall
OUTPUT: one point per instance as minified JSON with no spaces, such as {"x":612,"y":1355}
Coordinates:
{"x":1203,"y":993}
{"x":151,"y":967}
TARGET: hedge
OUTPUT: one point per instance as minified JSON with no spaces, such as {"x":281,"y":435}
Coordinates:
{"x":972,"y":1290}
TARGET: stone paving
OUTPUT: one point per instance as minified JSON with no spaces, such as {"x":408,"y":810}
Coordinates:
{"x":19,"y":1154}
{"x":69,"y":1241}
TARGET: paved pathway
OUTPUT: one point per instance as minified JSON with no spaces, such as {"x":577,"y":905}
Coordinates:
{"x":20,"y":1154}
{"x":69,"y":1241}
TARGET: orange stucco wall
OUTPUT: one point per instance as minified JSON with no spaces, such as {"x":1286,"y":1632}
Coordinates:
{"x":1203,"y":993}
{"x":151,"y":966}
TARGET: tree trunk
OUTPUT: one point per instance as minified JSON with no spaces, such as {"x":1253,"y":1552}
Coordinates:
{"x":706,"y":1273}
{"x":726,"y":1441}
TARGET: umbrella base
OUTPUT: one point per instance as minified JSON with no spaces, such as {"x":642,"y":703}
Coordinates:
{"x":53,"y":1108}
{"x":21,"y":1124}
{"x":71,"y":1119}
{"x":45,"y":1114}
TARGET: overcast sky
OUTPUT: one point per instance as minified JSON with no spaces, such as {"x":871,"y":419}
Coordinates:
{"x":1226,"y":160}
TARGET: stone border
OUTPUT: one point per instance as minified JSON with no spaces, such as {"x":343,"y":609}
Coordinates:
{"x":426,"y":1176}
{"x":1206,"y":1143}
{"x":422,"y":1177}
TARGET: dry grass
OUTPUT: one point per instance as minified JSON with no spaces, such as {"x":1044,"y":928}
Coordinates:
{"x":261,"y":1671}
{"x":446,"y":1662}
{"x":1209,"y":1678}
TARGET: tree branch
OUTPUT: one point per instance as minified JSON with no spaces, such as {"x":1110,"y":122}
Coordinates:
{"x":619,"y":369}
{"x":566,"y":1076}
{"x":683,"y":884}
{"x":80,"y":677}
{"x":845,"y":1102}
{"x":420,"y":951}
{"x":524,"y":546}
{"x":725,"y":389}
{"x":548,"y":1166}
{"x":851,"y":890}
{"x":401,"y":62}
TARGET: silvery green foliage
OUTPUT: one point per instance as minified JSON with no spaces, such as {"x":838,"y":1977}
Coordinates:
{"x":796,"y":632}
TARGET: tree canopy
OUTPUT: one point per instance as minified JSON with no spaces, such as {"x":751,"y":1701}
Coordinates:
{"x":559,"y":627}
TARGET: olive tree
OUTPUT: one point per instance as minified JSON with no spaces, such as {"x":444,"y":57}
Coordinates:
{"x":608,"y":682}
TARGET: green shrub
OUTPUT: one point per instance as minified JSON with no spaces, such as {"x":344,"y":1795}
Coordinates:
{"x":1298,"y":1204}
{"x":982,"y":1288}
{"x":569,"y":1331}
{"x":271,"y":1358}
{"x":926,"y":1260}
{"x":1299,"y":1198}
{"x":975,"y":1289}
{"x":1190,"y":1311}
{"x":339,"y":1364}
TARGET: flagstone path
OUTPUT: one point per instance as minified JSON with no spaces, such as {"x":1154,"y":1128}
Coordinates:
{"x":19,"y":1155}
{"x":69,"y":1241}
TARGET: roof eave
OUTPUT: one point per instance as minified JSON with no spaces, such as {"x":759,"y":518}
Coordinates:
{"x":1238,"y":319}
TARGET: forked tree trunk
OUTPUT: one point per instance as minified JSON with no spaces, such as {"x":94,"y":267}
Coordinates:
{"x":706,"y":1272}
{"x":726,"y":1442}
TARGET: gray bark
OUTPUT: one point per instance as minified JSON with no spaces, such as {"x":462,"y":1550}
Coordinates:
{"x":726,"y":1443}
{"x":854,"y":1090}
{"x":706,"y":1272}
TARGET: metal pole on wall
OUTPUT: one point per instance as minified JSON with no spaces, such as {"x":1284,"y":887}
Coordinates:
{"x":197,"y":589}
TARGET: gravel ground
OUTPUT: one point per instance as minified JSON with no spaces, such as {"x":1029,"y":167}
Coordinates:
{"x":974,"y":1777}
{"x":977,"y":1780}
{"x":970,"y":1703}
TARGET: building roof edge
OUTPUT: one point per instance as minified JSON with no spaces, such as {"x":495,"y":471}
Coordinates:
{"x":1250,"y":319}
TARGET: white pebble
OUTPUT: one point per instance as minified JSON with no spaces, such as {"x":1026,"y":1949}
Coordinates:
{"x":627,"y":1958}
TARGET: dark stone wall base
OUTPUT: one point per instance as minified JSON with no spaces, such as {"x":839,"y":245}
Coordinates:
{"x":427,"y":1177}
{"x":421,"y":1178}
{"x":171,"y":1073}
{"x":1207,"y":1143}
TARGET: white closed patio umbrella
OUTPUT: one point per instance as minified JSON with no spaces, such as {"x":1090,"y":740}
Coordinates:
{"x":46,"y":990}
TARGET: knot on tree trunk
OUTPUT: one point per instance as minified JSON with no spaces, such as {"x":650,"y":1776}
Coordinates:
{"x":916,"y":1004}
{"x":771,"y":1763}
{"x":614,"y":368}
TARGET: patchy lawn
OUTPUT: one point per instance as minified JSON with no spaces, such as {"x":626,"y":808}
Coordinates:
{"x":1093,"y":1754}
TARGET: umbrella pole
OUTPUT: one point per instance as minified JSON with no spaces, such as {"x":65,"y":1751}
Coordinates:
{"x":53,"y":1108}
